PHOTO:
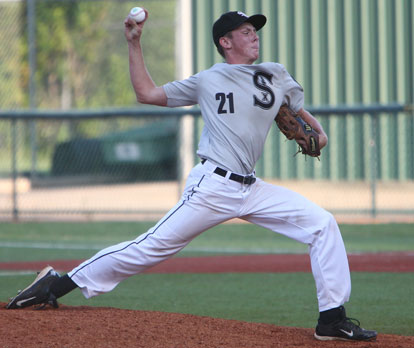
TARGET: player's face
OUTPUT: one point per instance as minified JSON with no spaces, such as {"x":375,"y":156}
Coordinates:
{"x":245,"y":44}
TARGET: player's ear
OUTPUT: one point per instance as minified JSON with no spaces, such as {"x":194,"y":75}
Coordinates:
{"x":225,"y":42}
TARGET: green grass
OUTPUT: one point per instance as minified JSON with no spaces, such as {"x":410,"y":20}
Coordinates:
{"x":49,"y":241}
{"x":381,"y":301}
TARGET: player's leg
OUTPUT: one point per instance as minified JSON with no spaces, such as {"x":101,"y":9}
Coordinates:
{"x":109,"y":267}
{"x":105,"y":270}
{"x":205,"y":203}
{"x":289,"y":213}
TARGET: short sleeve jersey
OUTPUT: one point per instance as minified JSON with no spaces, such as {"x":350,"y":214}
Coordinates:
{"x":238,"y":104}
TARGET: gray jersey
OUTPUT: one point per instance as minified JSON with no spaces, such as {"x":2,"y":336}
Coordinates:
{"x":238,"y":104}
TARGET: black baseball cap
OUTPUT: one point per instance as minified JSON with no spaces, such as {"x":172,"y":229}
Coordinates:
{"x":232,"y":20}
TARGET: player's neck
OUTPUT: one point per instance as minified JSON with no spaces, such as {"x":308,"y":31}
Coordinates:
{"x":230,"y":59}
{"x":239,"y":61}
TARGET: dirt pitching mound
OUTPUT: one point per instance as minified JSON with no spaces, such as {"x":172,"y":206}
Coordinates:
{"x":77,"y":327}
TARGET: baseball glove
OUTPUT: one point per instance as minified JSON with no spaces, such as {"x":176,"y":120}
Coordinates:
{"x":294,"y":127}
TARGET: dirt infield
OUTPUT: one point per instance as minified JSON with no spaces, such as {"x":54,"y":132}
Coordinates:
{"x":75,"y":327}
{"x":375,"y":262}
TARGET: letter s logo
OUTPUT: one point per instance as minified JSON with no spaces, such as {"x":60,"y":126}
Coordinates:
{"x":261,"y":80}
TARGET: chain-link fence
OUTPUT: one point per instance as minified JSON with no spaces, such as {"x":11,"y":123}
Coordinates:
{"x":131,"y":166}
{"x":66,"y":55}
{"x":128,"y":166}
{"x":71,"y":55}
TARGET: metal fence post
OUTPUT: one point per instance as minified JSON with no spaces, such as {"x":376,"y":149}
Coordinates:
{"x":31,"y":28}
{"x":374,"y":163}
{"x":15,"y":209}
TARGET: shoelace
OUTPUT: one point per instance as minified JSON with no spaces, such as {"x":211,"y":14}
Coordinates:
{"x":352,"y":321}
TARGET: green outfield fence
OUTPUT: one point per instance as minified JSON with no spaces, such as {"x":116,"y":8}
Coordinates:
{"x":129,"y":161}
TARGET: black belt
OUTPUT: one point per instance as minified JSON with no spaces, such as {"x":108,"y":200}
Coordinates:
{"x":246,"y":180}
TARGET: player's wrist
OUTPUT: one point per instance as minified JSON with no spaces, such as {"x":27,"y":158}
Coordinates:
{"x":134,"y":44}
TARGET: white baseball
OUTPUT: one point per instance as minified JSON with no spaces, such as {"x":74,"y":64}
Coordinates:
{"x":137,"y":14}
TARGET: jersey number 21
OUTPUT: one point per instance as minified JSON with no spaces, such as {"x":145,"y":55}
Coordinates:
{"x":222,"y":109}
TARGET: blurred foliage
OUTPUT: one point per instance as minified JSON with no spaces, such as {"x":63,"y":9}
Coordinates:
{"x":81,"y":62}
{"x":11,"y":67}
{"x":81,"y":53}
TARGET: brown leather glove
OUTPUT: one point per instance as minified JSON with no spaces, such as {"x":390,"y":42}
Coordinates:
{"x":294,"y":127}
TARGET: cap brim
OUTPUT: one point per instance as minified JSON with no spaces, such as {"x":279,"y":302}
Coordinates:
{"x":258,"y":21}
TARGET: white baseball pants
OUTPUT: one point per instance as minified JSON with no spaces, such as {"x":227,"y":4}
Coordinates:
{"x":210,"y":199}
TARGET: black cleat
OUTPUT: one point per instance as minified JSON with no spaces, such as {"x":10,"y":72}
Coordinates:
{"x":38,"y":292}
{"x":345,"y":329}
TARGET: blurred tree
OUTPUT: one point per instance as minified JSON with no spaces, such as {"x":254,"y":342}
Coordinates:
{"x":81,"y":62}
{"x":82,"y":59}
{"x":11,"y":95}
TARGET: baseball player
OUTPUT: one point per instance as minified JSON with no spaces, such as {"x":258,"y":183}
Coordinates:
{"x":238,"y":100}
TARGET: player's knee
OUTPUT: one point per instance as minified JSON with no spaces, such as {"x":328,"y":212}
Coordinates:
{"x":325,"y":222}
{"x":328,"y":220}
